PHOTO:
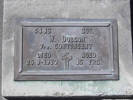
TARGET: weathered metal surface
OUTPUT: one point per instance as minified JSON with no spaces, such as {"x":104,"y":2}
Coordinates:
{"x":67,"y":50}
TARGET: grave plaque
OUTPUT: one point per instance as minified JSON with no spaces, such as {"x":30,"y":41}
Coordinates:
{"x":67,"y":50}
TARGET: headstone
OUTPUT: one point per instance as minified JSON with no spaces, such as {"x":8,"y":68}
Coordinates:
{"x":67,"y":48}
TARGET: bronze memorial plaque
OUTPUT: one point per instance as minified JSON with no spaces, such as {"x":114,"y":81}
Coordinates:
{"x":66,"y":49}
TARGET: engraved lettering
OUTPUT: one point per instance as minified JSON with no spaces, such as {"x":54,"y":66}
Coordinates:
{"x":67,"y":39}
{"x":80,"y":62}
{"x":43,"y":55}
{"x":94,"y":62}
{"x":42,"y":62}
{"x":73,"y":46}
{"x":52,"y":38}
{"x":89,"y":55}
{"x":87,"y":30}
{"x":30,"y":62}
{"x":43,"y":30}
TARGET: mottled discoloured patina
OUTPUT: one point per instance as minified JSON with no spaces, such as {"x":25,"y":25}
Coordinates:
{"x":71,"y":55}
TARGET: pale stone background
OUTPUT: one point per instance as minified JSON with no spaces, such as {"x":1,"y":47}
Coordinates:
{"x":1,"y":13}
